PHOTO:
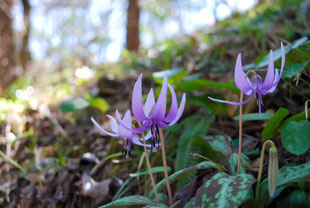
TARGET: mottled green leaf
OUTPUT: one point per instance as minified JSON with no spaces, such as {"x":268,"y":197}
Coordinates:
{"x":292,"y":69}
{"x":128,"y":202}
{"x":191,"y":203}
{"x":233,"y":163}
{"x":223,"y":190}
{"x":203,"y":83}
{"x":218,"y":147}
{"x":295,"y":137}
{"x":156,"y":205}
{"x":154,"y":170}
{"x":297,"y":117}
{"x":175,"y":176}
{"x":298,"y":199}
{"x":272,"y":125}
{"x":73,"y":104}
{"x":255,"y":117}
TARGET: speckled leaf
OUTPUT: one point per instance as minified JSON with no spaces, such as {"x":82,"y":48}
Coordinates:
{"x":155,"y":205}
{"x":223,"y":190}
{"x":178,"y":174}
{"x":295,"y":137}
{"x":286,"y":176}
{"x":272,"y":125}
{"x":190,"y":204}
{"x":220,"y":144}
{"x":129,"y":201}
{"x":233,"y":162}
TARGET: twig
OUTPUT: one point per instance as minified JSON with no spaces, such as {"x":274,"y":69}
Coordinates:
{"x":203,"y":157}
{"x":162,"y":141}
{"x":306,"y":109}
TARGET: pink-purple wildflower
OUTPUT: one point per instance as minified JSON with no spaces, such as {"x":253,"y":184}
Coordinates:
{"x":255,"y":85}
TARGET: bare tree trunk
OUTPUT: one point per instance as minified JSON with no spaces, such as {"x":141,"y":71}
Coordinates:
{"x":7,"y":46}
{"x":133,"y":16}
{"x":25,"y":53}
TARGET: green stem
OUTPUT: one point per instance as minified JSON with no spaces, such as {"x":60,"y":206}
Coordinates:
{"x":162,"y":141}
{"x":261,"y":163}
{"x":13,"y":163}
{"x":240,"y":133}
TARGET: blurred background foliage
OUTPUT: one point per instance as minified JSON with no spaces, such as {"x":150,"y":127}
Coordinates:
{"x":62,"y":62}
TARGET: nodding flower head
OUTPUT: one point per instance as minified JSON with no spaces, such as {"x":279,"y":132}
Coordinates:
{"x":153,"y":114}
{"x":254,"y":85}
{"x":119,"y":131}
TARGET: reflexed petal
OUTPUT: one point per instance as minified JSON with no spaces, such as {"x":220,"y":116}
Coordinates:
{"x":174,"y":106}
{"x":180,"y":110}
{"x":230,"y":102}
{"x":137,"y":106}
{"x":270,"y":73}
{"x":282,"y":65}
{"x":101,"y":129}
{"x":148,"y":135}
{"x":123,"y":132}
{"x":149,"y":103}
{"x":137,"y":130}
{"x":162,"y":125}
{"x":136,"y":140}
{"x":160,"y":106}
{"x":114,"y":124}
{"x":240,"y":80}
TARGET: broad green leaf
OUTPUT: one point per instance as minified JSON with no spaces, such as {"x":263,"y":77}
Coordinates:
{"x":299,"y":42}
{"x":223,"y":190}
{"x":297,"y":117}
{"x":233,"y":163}
{"x":204,"y":102}
{"x":175,"y":176}
{"x":156,"y":205}
{"x":295,"y":137}
{"x":128,"y":202}
{"x":193,"y":127}
{"x":292,"y":69}
{"x":154,"y":170}
{"x":219,"y":147}
{"x":272,"y":125}
{"x":298,"y":199}
{"x":203,"y":83}
{"x":99,"y":103}
{"x":74,"y":104}
{"x":191,"y":203}
{"x":286,"y":176}
{"x":172,"y":74}
{"x":255,"y":117}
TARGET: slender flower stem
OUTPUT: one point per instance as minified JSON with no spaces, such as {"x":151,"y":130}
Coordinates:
{"x":261,"y":163}
{"x":149,"y":166}
{"x":240,"y":133}
{"x":162,"y":141}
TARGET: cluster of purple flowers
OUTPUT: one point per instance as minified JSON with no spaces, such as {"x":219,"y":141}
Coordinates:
{"x":152,"y":116}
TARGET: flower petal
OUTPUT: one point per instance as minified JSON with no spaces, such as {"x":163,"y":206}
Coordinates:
{"x":230,"y":102}
{"x":149,"y":103}
{"x":101,"y":129}
{"x":240,"y":79}
{"x":148,"y":135}
{"x":137,"y":106}
{"x":270,"y":73}
{"x":160,"y":106}
{"x":180,"y":110}
{"x":174,"y":106}
{"x":137,"y":130}
{"x":122,"y":131}
{"x":114,"y":124}
{"x":136,"y":140}
{"x":282,"y":65}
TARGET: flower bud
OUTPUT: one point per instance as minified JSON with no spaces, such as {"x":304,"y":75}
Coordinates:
{"x":273,"y":170}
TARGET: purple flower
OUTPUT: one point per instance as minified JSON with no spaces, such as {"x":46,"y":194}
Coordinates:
{"x":255,"y":85}
{"x":153,"y":114}
{"x":119,"y":131}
